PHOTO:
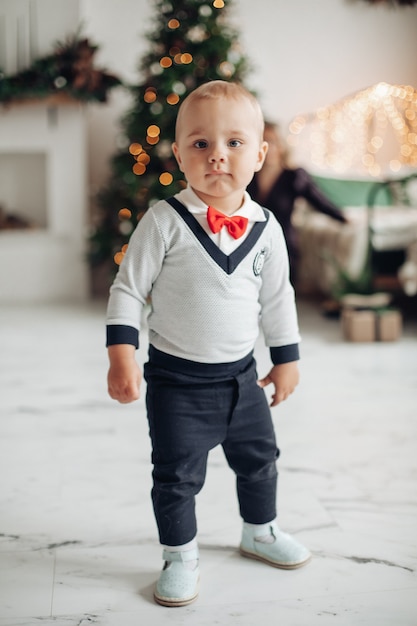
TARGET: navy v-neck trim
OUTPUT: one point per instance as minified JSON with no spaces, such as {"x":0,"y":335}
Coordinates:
{"x":227,"y":262}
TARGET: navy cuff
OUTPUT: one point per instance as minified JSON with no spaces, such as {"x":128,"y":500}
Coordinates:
{"x":285,"y":354}
{"x":118,"y":333}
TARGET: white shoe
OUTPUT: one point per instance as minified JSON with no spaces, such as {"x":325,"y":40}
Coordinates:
{"x":178,"y":584}
{"x":284,"y":551}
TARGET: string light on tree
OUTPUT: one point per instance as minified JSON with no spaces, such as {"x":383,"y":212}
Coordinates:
{"x":135,"y":148}
{"x":150,"y":95}
{"x":165,"y":62}
{"x":166,"y":178}
{"x":173,"y":24}
{"x":144,"y":158}
{"x":205,"y":10}
{"x":173,"y":98}
{"x":197,"y":34}
{"x":118,"y":257}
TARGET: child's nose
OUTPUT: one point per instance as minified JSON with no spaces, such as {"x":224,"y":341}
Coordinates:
{"x":216,"y":154}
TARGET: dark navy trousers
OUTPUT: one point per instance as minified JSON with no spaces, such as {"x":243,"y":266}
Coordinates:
{"x":191,"y":409}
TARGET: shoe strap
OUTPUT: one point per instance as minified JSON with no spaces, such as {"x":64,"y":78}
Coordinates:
{"x":185,"y":555}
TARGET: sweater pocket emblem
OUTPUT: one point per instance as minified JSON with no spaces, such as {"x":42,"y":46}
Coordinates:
{"x":259,"y":261}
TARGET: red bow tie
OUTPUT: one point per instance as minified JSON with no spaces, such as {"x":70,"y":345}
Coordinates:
{"x":235,"y":225}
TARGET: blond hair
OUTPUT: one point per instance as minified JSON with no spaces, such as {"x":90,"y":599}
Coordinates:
{"x":217,"y":89}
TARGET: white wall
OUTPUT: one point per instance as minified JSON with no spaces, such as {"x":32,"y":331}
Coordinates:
{"x":305,"y":54}
{"x":29,"y":29}
{"x":310,"y":53}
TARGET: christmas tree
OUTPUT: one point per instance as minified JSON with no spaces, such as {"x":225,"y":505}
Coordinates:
{"x":190,"y":44}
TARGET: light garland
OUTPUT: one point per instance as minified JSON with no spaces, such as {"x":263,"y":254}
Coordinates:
{"x":374,"y":131}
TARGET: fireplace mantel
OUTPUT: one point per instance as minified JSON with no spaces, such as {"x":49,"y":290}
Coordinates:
{"x":47,"y":262}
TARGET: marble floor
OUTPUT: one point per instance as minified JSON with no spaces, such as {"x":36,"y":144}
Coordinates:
{"x":78,"y":543}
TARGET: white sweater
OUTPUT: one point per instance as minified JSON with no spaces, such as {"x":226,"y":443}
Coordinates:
{"x":206,"y":305}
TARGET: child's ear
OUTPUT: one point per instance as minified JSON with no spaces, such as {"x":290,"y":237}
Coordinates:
{"x":263,"y":149}
{"x":176,"y":152}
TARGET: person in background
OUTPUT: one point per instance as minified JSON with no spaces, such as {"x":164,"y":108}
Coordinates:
{"x":215,"y":263}
{"x":276,"y":187}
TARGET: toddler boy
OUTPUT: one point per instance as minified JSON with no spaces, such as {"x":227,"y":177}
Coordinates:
{"x":215,"y":264}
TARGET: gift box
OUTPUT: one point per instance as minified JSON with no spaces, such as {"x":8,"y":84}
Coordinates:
{"x":389,"y":325}
{"x":366,"y":325}
{"x":358,"y":325}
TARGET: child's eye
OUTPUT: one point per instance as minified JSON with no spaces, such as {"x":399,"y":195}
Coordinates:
{"x":200,"y":144}
{"x":235,"y":143}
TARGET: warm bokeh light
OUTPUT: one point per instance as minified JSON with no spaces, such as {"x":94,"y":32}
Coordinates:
{"x":173,"y":24}
{"x":395,"y":165}
{"x":166,"y":178}
{"x":125,"y":214}
{"x":143,"y":158}
{"x":139,"y":169}
{"x":165,"y":62}
{"x":135,"y":148}
{"x":218,"y":4}
{"x":153,"y":130}
{"x":226,"y":69}
{"x":374,"y":132}
{"x":186,"y":58}
{"x":150,"y":95}
{"x":173,"y":98}
{"x":118,"y":257}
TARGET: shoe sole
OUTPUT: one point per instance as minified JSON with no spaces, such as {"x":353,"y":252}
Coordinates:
{"x":173,"y":602}
{"x":258,"y":557}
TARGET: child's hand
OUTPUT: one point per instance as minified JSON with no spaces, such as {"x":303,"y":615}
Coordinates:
{"x":124,"y":376}
{"x":285,"y":378}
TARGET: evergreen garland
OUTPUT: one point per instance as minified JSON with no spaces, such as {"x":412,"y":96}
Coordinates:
{"x":401,"y":3}
{"x":191,"y":43}
{"x":67,"y":72}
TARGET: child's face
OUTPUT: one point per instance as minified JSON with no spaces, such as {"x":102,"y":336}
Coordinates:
{"x":219,"y":147}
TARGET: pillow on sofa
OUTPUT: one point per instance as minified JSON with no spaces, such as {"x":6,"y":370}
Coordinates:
{"x":352,"y":192}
